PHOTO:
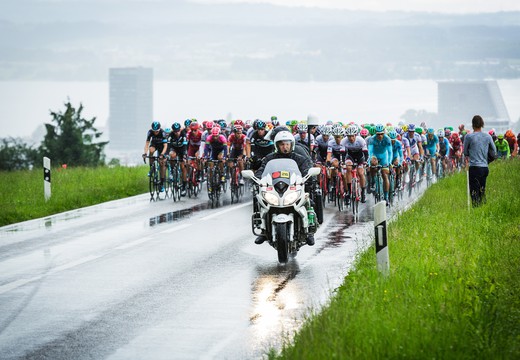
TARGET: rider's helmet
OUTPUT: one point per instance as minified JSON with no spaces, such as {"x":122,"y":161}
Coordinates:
{"x":187,"y":123}
{"x":411,"y":127}
{"x":337,"y":131}
{"x":301,"y":128}
{"x":380,"y":129}
{"x":393,"y":134}
{"x":237,"y":128}
{"x":194,"y":126}
{"x":454,"y":136}
{"x":329,"y":122}
{"x":364,"y":133}
{"x":167,"y":131}
{"x":156,"y":125}
{"x":500,"y":136}
{"x":275,"y":121}
{"x":492,"y":132}
{"x":447,"y":132}
{"x":222,"y":124}
{"x":284,"y":136}
{"x":327,"y":130}
{"x":431,"y":131}
{"x":372,"y":130}
{"x":352,"y":130}
{"x":176,"y":126}
{"x":419,"y":130}
{"x":440,"y":133}
{"x":260,"y":124}
{"x":215,"y":131}
{"x":209,"y":125}
{"x":238,"y":122}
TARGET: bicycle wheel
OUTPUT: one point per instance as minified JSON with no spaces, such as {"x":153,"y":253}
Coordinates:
{"x":355,"y":195}
{"x":411,"y":180}
{"x":340,"y":194}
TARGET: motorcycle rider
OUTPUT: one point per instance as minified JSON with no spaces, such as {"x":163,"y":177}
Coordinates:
{"x":284,"y":144}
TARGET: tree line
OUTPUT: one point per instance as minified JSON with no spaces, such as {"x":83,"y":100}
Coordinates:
{"x":70,"y":139}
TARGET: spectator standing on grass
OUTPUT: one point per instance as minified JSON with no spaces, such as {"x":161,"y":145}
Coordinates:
{"x":476,"y":147}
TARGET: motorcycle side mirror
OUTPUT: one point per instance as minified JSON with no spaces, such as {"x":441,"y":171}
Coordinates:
{"x":249,"y":174}
{"x":313,"y":171}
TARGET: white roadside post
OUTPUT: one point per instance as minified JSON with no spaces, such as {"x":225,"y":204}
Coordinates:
{"x":383,"y":261}
{"x":47,"y":178}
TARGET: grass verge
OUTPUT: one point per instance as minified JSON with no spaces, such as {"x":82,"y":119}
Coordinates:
{"x":453,"y":290}
{"x":22,"y":195}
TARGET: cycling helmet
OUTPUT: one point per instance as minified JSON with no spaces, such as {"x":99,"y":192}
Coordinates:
{"x":372,"y":130}
{"x":380,"y":129}
{"x":431,"y":131}
{"x":215,"y":131}
{"x":238,"y":122}
{"x":284,"y":136}
{"x":187,"y":123}
{"x":167,"y":131}
{"x":411,"y":127}
{"x":275,"y":122}
{"x":209,"y":125}
{"x":447,"y":132}
{"x":392,"y":134}
{"x":176,"y":126}
{"x":337,"y":131}
{"x":500,"y":136}
{"x":329,"y":122}
{"x":419,"y":130}
{"x":399,"y":130}
{"x":352,"y":130}
{"x":156,"y":125}
{"x":238,"y":128}
{"x":222,"y":124}
{"x":364,"y":132}
{"x":260,"y":124}
{"x":301,"y":128}
{"x":454,"y":136}
{"x":491,"y":132}
{"x":440,"y":133}
{"x":194,"y":126}
{"x":327,"y":130}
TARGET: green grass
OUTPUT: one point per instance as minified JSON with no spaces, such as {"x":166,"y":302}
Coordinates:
{"x":453,"y":291}
{"x":22,"y":196}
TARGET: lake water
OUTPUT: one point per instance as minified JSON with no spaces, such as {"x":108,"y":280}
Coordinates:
{"x":26,"y":104}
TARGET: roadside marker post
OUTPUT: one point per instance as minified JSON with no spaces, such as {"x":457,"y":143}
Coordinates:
{"x":47,"y":178}
{"x":383,"y":261}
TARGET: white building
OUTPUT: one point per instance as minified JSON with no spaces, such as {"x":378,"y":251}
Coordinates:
{"x":131,"y":111}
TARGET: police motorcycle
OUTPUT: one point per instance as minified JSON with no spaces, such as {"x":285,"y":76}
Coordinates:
{"x":282,"y":211}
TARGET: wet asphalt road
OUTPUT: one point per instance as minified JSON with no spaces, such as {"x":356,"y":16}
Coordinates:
{"x":132,"y":279}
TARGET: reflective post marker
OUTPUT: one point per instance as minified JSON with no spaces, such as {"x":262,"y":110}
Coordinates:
{"x":47,"y":178}
{"x":383,"y":261}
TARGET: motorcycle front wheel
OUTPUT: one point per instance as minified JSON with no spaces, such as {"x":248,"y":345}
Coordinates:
{"x":282,"y":241}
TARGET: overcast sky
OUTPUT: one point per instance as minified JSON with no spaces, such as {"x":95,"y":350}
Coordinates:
{"x":445,"y":6}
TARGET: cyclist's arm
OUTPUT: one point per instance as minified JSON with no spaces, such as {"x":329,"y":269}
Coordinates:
{"x":146,"y":147}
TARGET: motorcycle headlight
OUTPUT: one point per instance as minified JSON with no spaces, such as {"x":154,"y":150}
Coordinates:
{"x":271,"y":198}
{"x":291,"y":198}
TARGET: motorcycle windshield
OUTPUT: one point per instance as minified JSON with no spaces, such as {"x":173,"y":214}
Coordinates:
{"x":281,"y":169}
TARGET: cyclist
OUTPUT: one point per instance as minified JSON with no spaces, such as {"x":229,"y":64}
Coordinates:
{"x":237,"y":149}
{"x":432,"y":148}
{"x":444,"y":146}
{"x":380,"y":153}
{"x":217,"y":144}
{"x":275,"y":121}
{"x":502,"y":147}
{"x":355,"y":147}
{"x":336,"y":154}
{"x":322,"y":144}
{"x":156,"y":141}
{"x":455,"y":148}
{"x":178,"y":144}
{"x":194,"y":139}
{"x":416,"y":149}
{"x":397,"y":156}
{"x":258,"y":145}
{"x":284,"y":149}
{"x":302,"y":137}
